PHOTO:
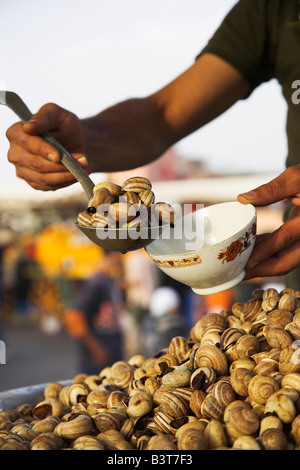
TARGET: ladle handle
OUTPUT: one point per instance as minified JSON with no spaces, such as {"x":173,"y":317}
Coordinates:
{"x":16,"y":104}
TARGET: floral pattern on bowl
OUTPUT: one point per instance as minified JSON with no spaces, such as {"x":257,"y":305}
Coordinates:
{"x":238,"y":246}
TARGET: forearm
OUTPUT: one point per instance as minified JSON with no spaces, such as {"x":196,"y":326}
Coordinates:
{"x":125,"y":136}
{"x":137,"y":131}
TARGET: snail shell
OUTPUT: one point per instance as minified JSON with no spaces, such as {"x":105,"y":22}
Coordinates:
{"x":287,"y":302}
{"x":282,"y":405}
{"x":240,"y":419}
{"x":293,"y":330}
{"x":52,"y":390}
{"x":251,"y":309}
{"x":279,"y":318}
{"x":122,"y":212}
{"x":229,"y":337}
{"x":247,"y":345}
{"x":98,"y":395}
{"x":266,"y":367}
{"x":127,"y":428}
{"x":289,"y":360}
{"x":239,"y":379}
{"x":296,"y":319}
{"x":215,"y":435}
{"x":278,"y":338}
{"x":113,"y":188}
{"x":147,"y":197}
{"x":269,"y":303}
{"x":106,"y":420}
{"x":87,"y":443}
{"x":180,"y":348}
{"x":191,"y":439}
{"x":152,"y":385}
{"x":223,"y":393}
{"x":295,"y":430}
{"x":101,"y":196}
{"x":85,"y":218}
{"x":163,"y":212}
{"x":115,"y":397}
{"x":130,"y":197}
{"x":137,"y":184}
{"x":77,"y":426}
{"x":257,"y":293}
{"x":167,"y":359}
{"x":211,"y":408}
{"x":179,"y":425}
{"x":46,"y":424}
{"x":77,"y":393}
{"x":124,"y":377}
{"x":196,"y":401}
{"x":139,"y":405}
{"x":25,"y":431}
{"x":179,"y":376}
{"x":163,"y":421}
{"x":270,"y":422}
{"x":237,"y":309}
{"x":273,"y":439}
{"x":161,"y":443}
{"x":48,"y":407}
{"x":291,"y":380}
{"x":245,"y":362}
{"x":173,"y":405}
{"x":202,"y":378}
{"x":261,"y":387}
{"x":212,"y":356}
{"x":209,"y":320}
{"x":271,"y":292}
{"x":246,"y":443}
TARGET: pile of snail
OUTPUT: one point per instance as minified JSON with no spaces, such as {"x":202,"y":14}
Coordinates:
{"x":130,"y":206}
{"x":233,"y":384}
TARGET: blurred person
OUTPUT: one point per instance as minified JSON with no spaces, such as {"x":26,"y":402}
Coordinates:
{"x":257,"y":41}
{"x":165,"y":320}
{"x":93,"y":319}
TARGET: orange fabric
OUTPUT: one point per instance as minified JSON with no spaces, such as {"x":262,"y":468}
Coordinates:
{"x":219,"y":300}
{"x":75,"y":323}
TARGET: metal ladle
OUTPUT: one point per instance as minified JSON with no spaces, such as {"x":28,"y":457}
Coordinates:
{"x":112,"y":239}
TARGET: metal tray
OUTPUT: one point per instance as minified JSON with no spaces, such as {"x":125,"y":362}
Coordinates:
{"x":11,"y":399}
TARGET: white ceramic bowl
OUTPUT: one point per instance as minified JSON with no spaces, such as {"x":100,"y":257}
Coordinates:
{"x":208,"y":249}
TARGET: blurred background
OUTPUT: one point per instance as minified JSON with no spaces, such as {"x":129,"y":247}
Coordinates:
{"x":85,"y":56}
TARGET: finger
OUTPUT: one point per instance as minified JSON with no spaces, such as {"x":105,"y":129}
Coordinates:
{"x":45,"y":181}
{"x":286,"y":185}
{"x":284,"y":237}
{"x":21,"y":158}
{"x":278,"y":265}
{"x":49,"y":117}
{"x":33,"y":144}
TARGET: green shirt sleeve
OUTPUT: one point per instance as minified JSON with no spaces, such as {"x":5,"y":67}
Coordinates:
{"x":243,"y":41}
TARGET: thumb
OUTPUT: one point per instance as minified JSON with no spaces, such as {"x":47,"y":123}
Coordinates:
{"x":284,"y":186}
{"x":47,"y":118}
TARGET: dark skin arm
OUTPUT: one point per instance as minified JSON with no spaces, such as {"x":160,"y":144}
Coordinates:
{"x":129,"y":134}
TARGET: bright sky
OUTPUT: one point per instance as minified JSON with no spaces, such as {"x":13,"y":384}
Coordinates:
{"x":88,"y":54}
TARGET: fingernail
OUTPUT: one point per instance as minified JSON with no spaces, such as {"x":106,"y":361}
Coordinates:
{"x":53,"y":157}
{"x":82,"y":161}
{"x":250,"y":265}
{"x":250,"y":196}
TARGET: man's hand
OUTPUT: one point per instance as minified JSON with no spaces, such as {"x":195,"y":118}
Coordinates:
{"x":36,"y":161}
{"x":276,"y":253}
